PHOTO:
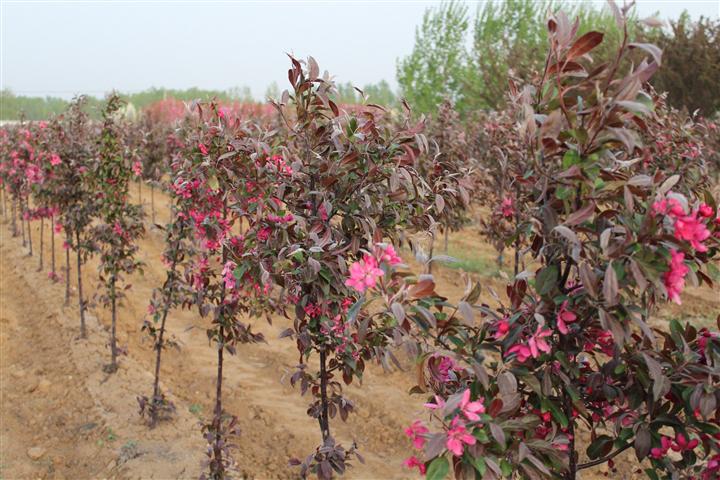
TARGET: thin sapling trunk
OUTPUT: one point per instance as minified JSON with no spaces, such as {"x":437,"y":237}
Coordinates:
{"x":52,"y":243}
{"x":81,"y":302}
{"x":67,"y":268}
{"x":42,"y":226}
{"x":324,"y":417}
{"x":29,"y":229}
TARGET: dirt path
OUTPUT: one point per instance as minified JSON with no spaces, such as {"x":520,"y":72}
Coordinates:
{"x":82,"y":423}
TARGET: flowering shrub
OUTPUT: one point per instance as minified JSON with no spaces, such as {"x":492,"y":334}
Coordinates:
{"x":446,"y":168}
{"x":75,"y":197}
{"x":120,"y":224}
{"x":220,"y":182}
{"x":575,"y":350}
{"x":343,"y":182}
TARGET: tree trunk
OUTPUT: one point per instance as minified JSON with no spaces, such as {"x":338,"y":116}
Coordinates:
{"x":139,"y":192}
{"x":14,"y":220}
{"x":29,"y":230}
{"x":324,"y":418}
{"x":447,"y":232}
{"x":67,"y":268}
{"x":113,"y":326}
{"x":159,"y":346}
{"x":52,"y":243}
{"x":430,"y":254}
{"x":42,"y":226}
{"x":217,"y":469}
{"x":158,"y":353}
{"x":81,"y":302}
{"x":22,"y":224}
{"x":571,"y":473}
{"x":152,"y":202}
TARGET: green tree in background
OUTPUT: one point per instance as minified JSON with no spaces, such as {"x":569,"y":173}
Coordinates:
{"x":508,"y":38}
{"x":690,"y":72}
{"x":437,"y":65}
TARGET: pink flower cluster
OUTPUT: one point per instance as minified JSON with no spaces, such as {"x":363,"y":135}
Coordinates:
{"x":287,"y":218}
{"x":674,"y":278}
{"x":506,"y":207}
{"x":680,"y":444}
{"x":564,"y":316}
{"x":55,"y":160}
{"x":387,"y":254}
{"x":535,"y":344}
{"x":228,"y":275}
{"x":689,"y":227}
{"x":280,"y":165}
{"x":185,"y":189}
{"x":442,"y":367}
{"x":457,"y":434}
{"x":137,"y":168}
{"x":364,"y":274}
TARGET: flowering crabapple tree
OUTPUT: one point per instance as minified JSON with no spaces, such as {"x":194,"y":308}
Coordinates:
{"x":75,"y":198}
{"x":120,"y":223}
{"x":155,"y":153}
{"x":43,"y":186}
{"x":175,"y":291}
{"x":220,"y":181}
{"x":446,"y":168}
{"x":502,"y":185}
{"x":577,"y":351}
{"x":343,"y":182}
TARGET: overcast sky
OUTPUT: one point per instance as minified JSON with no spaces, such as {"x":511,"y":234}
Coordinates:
{"x":66,"y":47}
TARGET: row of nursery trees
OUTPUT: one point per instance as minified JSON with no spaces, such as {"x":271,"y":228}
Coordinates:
{"x":600,"y":190}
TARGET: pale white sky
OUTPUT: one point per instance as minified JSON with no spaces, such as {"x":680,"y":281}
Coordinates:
{"x":64,"y":47}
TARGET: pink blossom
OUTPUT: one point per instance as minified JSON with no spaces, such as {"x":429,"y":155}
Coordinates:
{"x":389,"y":255}
{"x":58,"y":227}
{"x":413,"y":462}
{"x":506,"y":207}
{"x":55,"y":160}
{"x":443,"y":366}
{"x":691,"y":229}
{"x":364,"y":274}
{"x":471,"y":409}
{"x":137,"y":168}
{"x":229,"y":275}
{"x":439,"y":404}
{"x":682,"y":443}
{"x":535,"y":345}
{"x":674,"y":278}
{"x":458,"y":437}
{"x":564,"y":316}
{"x":417,"y":432}
{"x":502,"y":327}
{"x":670,"y":206}
{"x":263,"y":234}
{"x":659,"y":452}
{"x":705,"y":210}
{"x":117,"y":229}
{"x":203,"y":149}
{"x":537,"y":342}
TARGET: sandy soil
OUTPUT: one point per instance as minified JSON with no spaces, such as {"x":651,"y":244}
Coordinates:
{"x":62,"y":417}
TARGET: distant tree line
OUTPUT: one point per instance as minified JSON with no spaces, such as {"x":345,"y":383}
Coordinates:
{"x":39,"y":108}
{"x":13,"y":106}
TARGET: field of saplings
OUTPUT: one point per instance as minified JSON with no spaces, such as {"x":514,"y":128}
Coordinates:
{"x":312,"y":289}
